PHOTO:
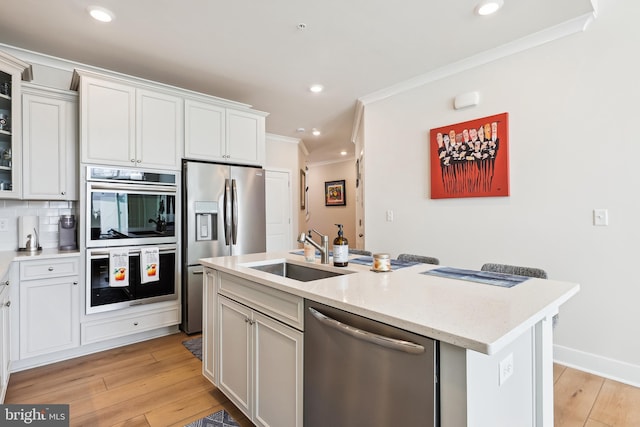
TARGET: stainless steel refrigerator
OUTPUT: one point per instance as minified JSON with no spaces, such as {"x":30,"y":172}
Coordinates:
{"x":223,"y":214}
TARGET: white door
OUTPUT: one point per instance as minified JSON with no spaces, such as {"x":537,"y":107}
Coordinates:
{"x":278,"y":210}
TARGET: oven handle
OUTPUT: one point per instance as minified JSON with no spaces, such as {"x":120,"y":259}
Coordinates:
{"x":392,"y":343}
{"x":151,"y":188}
{"x":101,"y":253}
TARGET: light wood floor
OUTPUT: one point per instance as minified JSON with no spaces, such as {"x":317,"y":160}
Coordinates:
{"x":159,"y":383}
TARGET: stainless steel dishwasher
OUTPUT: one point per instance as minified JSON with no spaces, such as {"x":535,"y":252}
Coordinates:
{"x":363,"y":373}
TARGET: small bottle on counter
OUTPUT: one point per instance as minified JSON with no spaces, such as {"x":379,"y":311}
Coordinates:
{"x":309,"y":250}
{"x":340,"y":249}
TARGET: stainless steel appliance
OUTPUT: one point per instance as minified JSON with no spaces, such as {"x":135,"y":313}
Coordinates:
{"x":130,"y":207}
{"x":104,"y":297}
{"x":132,"y":210}
{"x":67,"y":232}
{"x":223,"y":214}
{"x":360,"y":372}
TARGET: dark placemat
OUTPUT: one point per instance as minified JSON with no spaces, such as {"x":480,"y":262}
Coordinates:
{"x":487,"y":277}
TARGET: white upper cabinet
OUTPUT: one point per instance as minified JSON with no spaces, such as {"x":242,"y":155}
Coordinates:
{"x":204,"y":131}
{"x":245,"y":137}
{"x":222,"y":134}
{"x":124,"y":124}
{"x":12,"y":72}
{"x":49,"y":144}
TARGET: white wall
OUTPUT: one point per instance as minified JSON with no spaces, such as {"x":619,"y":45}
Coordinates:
{"x":573,"y":110}
{"x":323,"y":218}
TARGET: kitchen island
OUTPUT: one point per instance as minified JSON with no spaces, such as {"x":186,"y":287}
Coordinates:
{"x":495,"y":343}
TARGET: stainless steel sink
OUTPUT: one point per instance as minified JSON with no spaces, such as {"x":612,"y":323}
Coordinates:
{"x":298,"y":272}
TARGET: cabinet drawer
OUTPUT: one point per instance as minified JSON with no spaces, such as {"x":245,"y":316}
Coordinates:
{"x":44,"y":269}
{"x":101,"y":330}
{"x":281,"y":306}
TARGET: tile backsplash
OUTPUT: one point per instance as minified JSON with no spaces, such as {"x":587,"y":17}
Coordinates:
{"x":48,"y":213}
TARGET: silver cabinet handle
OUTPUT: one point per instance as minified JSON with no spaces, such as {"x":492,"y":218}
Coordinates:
{"x":50,"y":268}
{"x":75,"y":283}
{"x":135,"y":323}
{"x":392,"y":343}
{"x":133,"y":160}
{"x":197,"y":272}
{"x":6,"y":283}
{"x":8,"y":303}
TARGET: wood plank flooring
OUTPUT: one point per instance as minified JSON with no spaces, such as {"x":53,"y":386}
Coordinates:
{"x":159,"y":383}
{"x":156,"y":383}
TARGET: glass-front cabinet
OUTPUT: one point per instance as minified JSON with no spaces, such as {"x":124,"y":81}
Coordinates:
{"x":12,"y":72}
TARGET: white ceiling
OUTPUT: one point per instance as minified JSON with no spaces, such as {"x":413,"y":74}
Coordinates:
{"x":252,"y":51}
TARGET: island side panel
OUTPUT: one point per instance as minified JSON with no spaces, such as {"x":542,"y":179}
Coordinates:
{"x":470,"y":389}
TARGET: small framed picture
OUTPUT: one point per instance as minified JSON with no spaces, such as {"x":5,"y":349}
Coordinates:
{"x":334,"y":193}
{"x":303,"y":189}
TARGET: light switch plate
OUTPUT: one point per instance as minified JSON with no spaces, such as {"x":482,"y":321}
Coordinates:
{"x":4,"y":224}
{"x":600,"y":217}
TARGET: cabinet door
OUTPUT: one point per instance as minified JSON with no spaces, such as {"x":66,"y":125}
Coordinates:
{"x":209,"y":333}
{"x":278,"y":368}
{"x":49,"y":315}
{"x":234,"y":352}
{"x":5,"y":340}
{"x":159,"y":135}
{"x":107,"y":122}
{"x":50,"y":161}
{"x":245,"y":137}
{"x":204,"y":133}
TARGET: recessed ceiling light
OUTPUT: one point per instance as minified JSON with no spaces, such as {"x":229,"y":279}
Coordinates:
{"x":488,"y":7}
{"x":343,"y":153}
{"x":316,"y":88}
{"x":315,"y":132}
{"x":101,"y":14}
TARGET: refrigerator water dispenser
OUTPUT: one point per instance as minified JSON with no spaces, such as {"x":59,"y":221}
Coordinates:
{"x":206,"y":220}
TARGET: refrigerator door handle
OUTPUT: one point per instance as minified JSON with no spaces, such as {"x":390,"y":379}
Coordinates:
{"x":234,"y":218}
{"x":227,"y":212}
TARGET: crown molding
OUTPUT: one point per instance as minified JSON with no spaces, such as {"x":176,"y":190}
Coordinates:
{"x":572,"y":26}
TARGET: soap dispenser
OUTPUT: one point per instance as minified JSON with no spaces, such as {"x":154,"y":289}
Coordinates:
{"x":340,"y":249}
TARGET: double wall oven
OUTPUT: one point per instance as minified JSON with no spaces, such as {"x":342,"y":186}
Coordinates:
{"x":130,"y":211}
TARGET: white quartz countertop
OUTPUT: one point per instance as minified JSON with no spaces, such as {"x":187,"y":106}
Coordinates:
{"x":472,"y":315}
{"x":7,"y":257}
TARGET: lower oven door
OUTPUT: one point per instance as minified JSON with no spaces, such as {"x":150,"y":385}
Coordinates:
{"x":101,"y":296}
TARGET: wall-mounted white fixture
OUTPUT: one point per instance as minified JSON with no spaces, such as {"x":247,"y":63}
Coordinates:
{"x":101,"y":14}
{"x":488,"y":7}
{"x":469,"y":99}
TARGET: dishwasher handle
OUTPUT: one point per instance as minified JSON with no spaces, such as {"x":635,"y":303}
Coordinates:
{"x":392,"y":343}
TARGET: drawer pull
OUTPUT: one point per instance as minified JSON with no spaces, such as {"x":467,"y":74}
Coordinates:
{"x":50,"y":269}
{"x":75,"y":283}
{"x":8,"y":303}
{"x":6,"y":283}
{"x":135,"y":323}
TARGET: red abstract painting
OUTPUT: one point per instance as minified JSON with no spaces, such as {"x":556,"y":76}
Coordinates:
{"x":470,"y":159}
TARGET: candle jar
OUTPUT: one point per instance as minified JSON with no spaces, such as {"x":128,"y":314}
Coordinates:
{"x":381,"y":262}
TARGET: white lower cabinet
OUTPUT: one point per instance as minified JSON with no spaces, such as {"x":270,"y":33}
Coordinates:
{"x":260,"y":359}
{"x":209,"y":335}
{"x":49,"y":306}
{"x":5,"y":337}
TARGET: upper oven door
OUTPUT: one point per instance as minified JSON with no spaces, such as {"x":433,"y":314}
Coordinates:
{"x":124,"y":213}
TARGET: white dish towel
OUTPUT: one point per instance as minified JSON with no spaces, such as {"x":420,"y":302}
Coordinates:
{"x":149,"y":264}
{"x":119,"y":267}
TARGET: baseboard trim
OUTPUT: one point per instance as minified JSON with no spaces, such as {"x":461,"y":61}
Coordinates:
{"x":616,"y":370}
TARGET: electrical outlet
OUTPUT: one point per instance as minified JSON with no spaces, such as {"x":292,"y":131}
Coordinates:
{"x":505,"y":369}
{"x":4,"y":224}
{"x":389,"y":216}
